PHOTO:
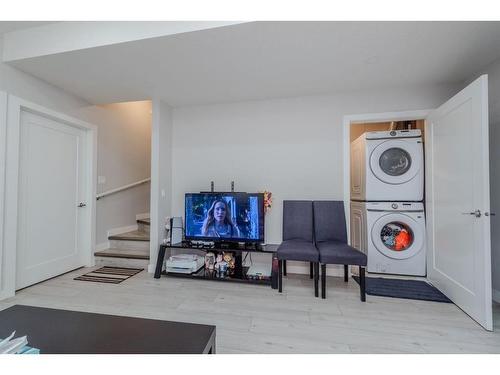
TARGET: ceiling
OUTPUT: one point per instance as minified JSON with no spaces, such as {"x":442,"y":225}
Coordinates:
{"x":8,"y":26}
{"x":260,"y":60}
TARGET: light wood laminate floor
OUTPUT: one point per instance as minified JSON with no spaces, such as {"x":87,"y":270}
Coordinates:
{"x":257,"y":319}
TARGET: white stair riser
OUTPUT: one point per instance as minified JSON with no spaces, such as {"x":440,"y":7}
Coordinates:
{"x":121,"y":262}
{"x":130,"y":245}
{"x":143,"y":227}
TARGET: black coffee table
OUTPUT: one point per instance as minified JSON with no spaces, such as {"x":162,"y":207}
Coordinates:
{"x":71,"y":332}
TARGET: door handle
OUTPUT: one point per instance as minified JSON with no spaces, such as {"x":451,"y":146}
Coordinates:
{"x":476,"y":213}
{"x":82,"y":205}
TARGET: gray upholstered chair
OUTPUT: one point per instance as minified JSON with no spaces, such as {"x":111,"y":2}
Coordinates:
{"x":331,"y":241}
{"x":298,"y":239}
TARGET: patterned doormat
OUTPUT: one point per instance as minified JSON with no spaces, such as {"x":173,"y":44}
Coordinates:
{"x":400,"y":288}
{"x":110,"y":275}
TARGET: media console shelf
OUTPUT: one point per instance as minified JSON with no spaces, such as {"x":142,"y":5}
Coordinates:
{"x":240,"y":272}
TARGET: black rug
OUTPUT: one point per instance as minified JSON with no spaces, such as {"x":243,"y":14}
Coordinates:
{"x":398,"y":288}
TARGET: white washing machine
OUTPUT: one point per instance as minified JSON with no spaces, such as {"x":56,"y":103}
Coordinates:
{"x":388,"y":166}
{"x":392,"y":235}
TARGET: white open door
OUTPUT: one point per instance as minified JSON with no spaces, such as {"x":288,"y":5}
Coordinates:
{"x":458,"y":201}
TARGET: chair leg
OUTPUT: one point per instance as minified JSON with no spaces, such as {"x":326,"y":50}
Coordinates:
{"x":316,"y":279}
{"x":323,"y":281}
{"x":284,"y":268}
{"x":362,"y":283}
{"x":311,"y":271}
{"x":346,"y":273}
{"x":280,"y":276}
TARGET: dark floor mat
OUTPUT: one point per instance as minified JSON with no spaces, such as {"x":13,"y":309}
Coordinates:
{"x":109,"y":275}
{"x":399,"y":288}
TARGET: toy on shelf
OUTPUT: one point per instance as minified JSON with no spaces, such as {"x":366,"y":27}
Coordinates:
{"x":209,"y":261}
{"x":220,"y":266}
{"x":229,"y":259}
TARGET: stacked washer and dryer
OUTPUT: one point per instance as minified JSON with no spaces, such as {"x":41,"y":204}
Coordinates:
{"x":387,"y":210}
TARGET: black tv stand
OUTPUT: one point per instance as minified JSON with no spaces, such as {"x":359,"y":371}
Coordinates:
{"x":225,"y":245}
{"x":238,"y":245}
{"x":240,"y":273}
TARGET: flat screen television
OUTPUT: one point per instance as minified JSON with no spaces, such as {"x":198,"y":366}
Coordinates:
{"x":224,"y":217}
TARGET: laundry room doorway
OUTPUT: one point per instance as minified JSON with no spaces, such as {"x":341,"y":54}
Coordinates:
{"x":385,"y":174}
{"x":456,"y":201}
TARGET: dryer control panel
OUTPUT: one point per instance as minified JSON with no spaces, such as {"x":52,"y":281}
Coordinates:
{"x":395,"y":206}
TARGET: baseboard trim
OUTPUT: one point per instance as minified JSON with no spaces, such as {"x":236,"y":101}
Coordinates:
{"x":142,"y":216}
{"x":302,"y":268}
{"x":4,"y":295}
{"x":121,"y":230}
{"x":102,"y":246}
{"x":151,"y":268}
{"x":496,"y":295}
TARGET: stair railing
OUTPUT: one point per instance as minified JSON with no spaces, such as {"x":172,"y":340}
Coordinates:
{"x":125,"y":187}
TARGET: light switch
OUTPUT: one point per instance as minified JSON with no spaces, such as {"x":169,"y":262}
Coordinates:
{"x":101,"y":180}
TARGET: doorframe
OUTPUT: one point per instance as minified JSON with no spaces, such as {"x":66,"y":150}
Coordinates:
{"x":15,"y":106}
{"x":367,"y":118}
{"x":3,"y":147}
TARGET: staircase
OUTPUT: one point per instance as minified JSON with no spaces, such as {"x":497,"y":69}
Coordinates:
{"x":130,"y":249}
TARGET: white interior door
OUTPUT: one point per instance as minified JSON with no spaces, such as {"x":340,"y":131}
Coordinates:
{"x":51,"y":186}
{"x":458,"y":201}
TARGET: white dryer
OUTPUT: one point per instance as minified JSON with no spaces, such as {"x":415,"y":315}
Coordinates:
{"x":392,"y":234}
{"x":388,"y":166}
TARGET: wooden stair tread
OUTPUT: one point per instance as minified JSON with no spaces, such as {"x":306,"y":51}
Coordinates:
{"x":135,"y":235}
{"x":123,"y":253}
{"x":146,"y":221}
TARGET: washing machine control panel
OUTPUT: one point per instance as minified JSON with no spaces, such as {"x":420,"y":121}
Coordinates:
{"x":395,"y":206}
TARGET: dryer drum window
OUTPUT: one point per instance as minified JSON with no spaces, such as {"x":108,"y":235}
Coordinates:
{"x":395,"y":161}
{"x":397,"y":236}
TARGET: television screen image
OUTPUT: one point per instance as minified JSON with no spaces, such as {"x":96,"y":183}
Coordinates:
{"x":235,"y":217}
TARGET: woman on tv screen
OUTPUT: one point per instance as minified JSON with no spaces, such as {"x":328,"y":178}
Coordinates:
{"x":218,"y":222}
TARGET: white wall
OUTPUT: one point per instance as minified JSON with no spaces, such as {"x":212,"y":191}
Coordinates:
{"x":161,"y":176}
{"x":124,"y":144}
{"x":124,"y":157}
{"x":17,"y":83}
{"x":291,"y":147}
{"x":3,"y":147}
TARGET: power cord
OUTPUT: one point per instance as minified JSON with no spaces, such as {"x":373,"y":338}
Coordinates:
{"x":245,"y":258}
